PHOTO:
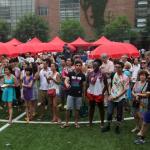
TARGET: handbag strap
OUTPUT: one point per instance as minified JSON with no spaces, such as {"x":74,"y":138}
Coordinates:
{"x":144,"y":86}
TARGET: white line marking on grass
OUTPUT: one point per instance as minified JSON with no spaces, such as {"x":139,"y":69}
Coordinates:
{"x":4,"y":127}
{"x":47,"y":122}
{"x":15,"y":119}
{"x":20,"y":116}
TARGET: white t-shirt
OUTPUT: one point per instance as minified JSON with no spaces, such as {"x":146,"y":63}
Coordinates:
{"x":108,"y":67}
{"x":119,"y":84}
{"x":30,"y":59}
{"x":43,"y":81}
{"x":97,"y":88}
{"x":52,"y":84}
{"x":135,"y":70}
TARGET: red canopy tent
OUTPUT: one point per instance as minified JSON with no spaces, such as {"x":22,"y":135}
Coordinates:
{"x":8,"y":49}
{"x":102,"y":40}
{"x":132,"y":49}
{"x":32,"y":46}
{"x":59,"y":42}
{"x":26,"y":48}
{"x":115,"y":50}
{"x":79,"y":42}
{"x":48,"y":47}
{"x":38,"y":48}
{"x":14,"y":42}
{"x":35,"y":40}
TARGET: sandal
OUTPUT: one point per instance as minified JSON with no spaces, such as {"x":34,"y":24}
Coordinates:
{"x":58,"y":121}
{"x":64,"y":126}
{"x":27,"y":119}
{"x":101,"y":126}
{"x":10,"y":122}
{"x":77,"y":126}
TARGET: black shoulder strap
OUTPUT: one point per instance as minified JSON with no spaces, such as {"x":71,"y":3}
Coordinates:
{"x":144,"y":86}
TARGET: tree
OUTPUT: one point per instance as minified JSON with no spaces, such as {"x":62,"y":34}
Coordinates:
{"x":97,"y":8}
{"x":119,"y":29}
{"x":4,"y":31}
{"x":31,"y":26}
{"x":70,"y":30}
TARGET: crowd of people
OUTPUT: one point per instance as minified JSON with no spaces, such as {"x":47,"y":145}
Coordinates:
{"x":42,"y":79}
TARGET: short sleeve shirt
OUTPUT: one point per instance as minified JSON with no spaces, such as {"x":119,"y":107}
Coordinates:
{"x":119,"y":84}
{"x":76,"y":83}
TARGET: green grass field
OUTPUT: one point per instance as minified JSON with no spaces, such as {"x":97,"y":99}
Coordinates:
{"x":52,"y":137}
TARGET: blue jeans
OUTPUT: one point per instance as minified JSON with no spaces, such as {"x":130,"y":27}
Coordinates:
{"x":110,"y":110}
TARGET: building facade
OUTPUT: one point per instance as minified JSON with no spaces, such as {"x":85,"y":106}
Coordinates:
{"x":142,"y":10}
{"x":12,"y":10}
{"x":71,"y":9}
{"x":55,"y":11}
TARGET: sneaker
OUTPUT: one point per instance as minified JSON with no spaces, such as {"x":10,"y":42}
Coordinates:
{"x":38,"y":104}
{"x":117,"y":130}
{"x":105,"y":104}
{"x":140,"y":140}
{"x":1,"y":108}
{"x":106,"y":129}
{"x":46,"y":107}
{"x":65,"y":107}
{"x":59,"y":106}
{"x":102,"y":125}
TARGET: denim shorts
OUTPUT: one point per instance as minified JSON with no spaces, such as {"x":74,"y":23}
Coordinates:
{"x":74,"y":102}
{"x":146,"y":117}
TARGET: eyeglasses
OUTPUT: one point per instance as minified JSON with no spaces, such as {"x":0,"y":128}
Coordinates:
{"x":143,"y":62}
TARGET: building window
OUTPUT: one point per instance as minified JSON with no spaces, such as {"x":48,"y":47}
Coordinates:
{"x":5,"y":12}
{"x":43,"y":11}
{"x":141,"y":25}
{"x":143,"y":2}
{"x":142,"y":10}
{"x":69,"y":9}
{"x":12,"y":10}
{"x":4,"y":9}
{"x":141,"y":22}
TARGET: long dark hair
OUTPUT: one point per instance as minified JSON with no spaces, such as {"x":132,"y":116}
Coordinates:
{"x":29,"y":69}
{"x":9,"y":68}
{"x":34,"y":68}
{"x":56,"y":66}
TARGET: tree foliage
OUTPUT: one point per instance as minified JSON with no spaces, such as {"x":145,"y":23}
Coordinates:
{"x":31,"y":26}
{"x":98,"y":10}
{"x":70,"y":30}
{"x":119,"y":29}
{"x":4,"y":31}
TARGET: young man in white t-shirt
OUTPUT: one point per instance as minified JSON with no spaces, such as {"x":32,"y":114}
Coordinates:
{"x":120,"y":85}
{"x":43,"y":96}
